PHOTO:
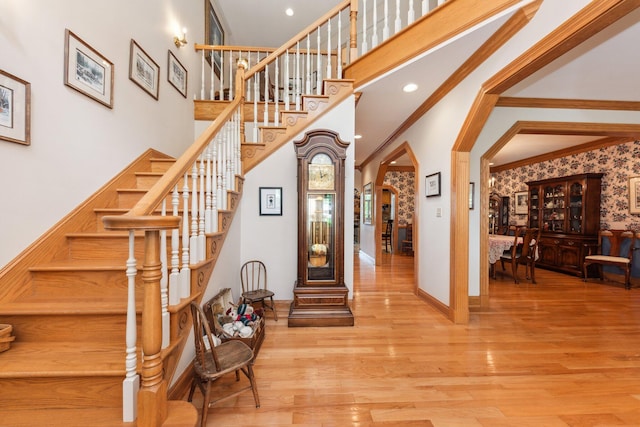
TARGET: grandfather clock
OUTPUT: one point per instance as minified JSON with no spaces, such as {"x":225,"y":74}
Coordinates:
{"x":320,"y":297}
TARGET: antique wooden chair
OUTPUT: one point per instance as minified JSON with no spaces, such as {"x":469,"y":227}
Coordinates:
{"x":407,"y":243}
{"x":213,"y":362}
{"x":253,"y":275}
{"x":523,"y":253}
{"x":386,"y":236}
{"x":615,"y":248}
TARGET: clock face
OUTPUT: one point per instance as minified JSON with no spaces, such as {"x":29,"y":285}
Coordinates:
{"x":321,"y":173}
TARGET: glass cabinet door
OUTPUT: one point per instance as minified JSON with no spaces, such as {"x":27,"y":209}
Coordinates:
{"x":321,"y":236}
{"x":553,"y":208}
{"x":534,"y":207}
{"x":575,"y":207}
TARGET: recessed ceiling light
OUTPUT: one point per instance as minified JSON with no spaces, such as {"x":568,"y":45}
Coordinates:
{"x":289,"y":11}
{"x":410,"y":87}
{"x":357,"y":136}
{"x":393,"y":162}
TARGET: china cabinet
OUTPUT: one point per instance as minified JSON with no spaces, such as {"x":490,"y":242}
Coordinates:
{"x":567,"y":210}
{"x":320,"y":297}
{"x":498,"y":213}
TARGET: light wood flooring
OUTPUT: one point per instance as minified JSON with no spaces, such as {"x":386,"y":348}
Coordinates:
{"x":559,"y":353}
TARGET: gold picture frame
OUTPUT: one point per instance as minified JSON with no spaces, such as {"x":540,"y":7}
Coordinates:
{"x":634,"y":195}
{"x":15,"y":109}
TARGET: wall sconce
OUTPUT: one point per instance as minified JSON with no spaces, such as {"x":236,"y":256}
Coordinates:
{"x":179,"y":42}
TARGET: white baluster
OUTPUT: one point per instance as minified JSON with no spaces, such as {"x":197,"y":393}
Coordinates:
{"x":202,"y":78}
{"x":221,"y":199}
{"x":265,"y":115}
{"x":164,"y":282}
{"x":329,"y":56}
{"x":276,"y":93}
{"x":339,"y":73}
{"x":374,"y":35}
{"x":193,"y":240}
{"x":228,"y":185}
{"x":411,"y":15}
{"x":255,"y":103}
{"x":212,"y":91}
{"x":425,"y":7}
{"x":365,"y":46}
{"x":231,"y":79}
{"x":131,"y":383}
{"x":297,"y":77}
{"x":308,"y":73}
{"x":385,"y":29}
{"x":202,"y":239}
{"x":398,"y":23}
{"x":238,"y":144}
{"x":174,"y":277}
{"x":220,"y":76}
{"x":287,"y":81}
{"x":318,"y":63}
{"x":247,"y":87}
{"x":185,"y":271}
{"x":208,"y":201}
{"x":214,"y":185}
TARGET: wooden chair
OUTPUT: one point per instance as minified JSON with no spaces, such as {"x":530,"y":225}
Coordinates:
{"x":253,"y":275}
{"x":407,"y":243}
{"x":386,"y":236}
{"x":615,"y":248}
{"x":213,"y":362}
{"x":524,"y":253}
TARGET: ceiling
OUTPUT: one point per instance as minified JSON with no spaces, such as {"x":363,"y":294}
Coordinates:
{"x":264,"y":23}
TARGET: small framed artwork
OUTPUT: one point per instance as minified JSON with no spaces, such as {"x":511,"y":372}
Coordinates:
{"x":15,"y":109}
{"x":634,"y":195}
{"x":522,"y":202}
{"x":472,"y":187}
{"x":270,"y":200}
{"x":432,"y":185}
{"x":86,"y":70}
{"x":367,"y":203}
{"x":177,"y":74}
{"x":143,"y":70}
{"x":213,"y":35}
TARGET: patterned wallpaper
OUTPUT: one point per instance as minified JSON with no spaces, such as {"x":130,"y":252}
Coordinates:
{"x":404,"y":183}
{"x":618,"y":163}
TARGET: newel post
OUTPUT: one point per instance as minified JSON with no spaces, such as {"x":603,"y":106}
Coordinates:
{"x":152,"y":397}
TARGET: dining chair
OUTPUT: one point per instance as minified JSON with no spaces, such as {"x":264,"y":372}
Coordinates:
{"x":212,"y":362}
{"x":615,"y":249}
{"x":386,"y":236}
{"x":253,"y":276}
{"x":407,"y":242}
{"x":524,"y":252}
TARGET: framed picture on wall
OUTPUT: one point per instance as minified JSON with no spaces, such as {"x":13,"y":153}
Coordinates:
{"x":634,"y":195}
{"x":367,"y":203}
{"x":213,"y":35}
{"x":270,"y":200}
{"x":143,"y":70}
{"x":177,"y":74}
{"x":522,"y":202}
{"x":15,"y":109}
{"x":432,"y":185}
{"x":87,"y":71}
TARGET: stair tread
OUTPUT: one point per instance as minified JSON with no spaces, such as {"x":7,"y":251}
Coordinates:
{"x":82,"y":265}
{"x":179,"y":414}
{"x":63,"y":359}
{"x":76,"y":306}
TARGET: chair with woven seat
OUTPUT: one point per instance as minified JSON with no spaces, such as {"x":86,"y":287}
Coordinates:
{"x":387,"y":235}
{"x":525,"y":253}
{"x":253,"y":276}
{"x":615,"y":249}
{"x":212,"y":362}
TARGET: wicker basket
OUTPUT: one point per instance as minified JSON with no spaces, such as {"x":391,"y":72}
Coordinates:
{"x":5,"y":337}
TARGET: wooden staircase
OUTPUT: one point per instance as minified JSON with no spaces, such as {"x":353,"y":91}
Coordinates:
{"x":66,"y":295}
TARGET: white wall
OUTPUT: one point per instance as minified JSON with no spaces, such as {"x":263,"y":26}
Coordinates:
{"x":432,"y":138}
{"x":273,"y":239}
{"x":78,"y":144}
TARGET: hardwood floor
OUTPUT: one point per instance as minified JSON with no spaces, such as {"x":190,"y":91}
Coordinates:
{"x":559,"y":353}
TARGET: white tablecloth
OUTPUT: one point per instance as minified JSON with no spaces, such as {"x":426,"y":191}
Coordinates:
{"x":498,"y":244}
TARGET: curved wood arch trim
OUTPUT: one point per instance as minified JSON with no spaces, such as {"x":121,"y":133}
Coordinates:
{"x":582,"y":104}
{"x":584,"y":24}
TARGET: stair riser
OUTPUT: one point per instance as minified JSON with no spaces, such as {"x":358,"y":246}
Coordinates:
{"x":161,"y":165}
{"x":128,"y":199}
{"x":148,"y":181}
{"x":71,"y":392}
{"x":81,"y":284}
{"x":111,"y":248}
{"x":90,"y":327}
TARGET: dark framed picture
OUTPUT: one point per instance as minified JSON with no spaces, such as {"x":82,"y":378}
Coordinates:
{"x":15,"y":109}
{"x":472,"y":187}
{"x":432,"y":185}
{"x":177,"y":74}
{"x":367,"y":203}
{"x":213,"y":35}
{"x":634,"y":195}
{"x":143,"y":70}
{"x":270,"y":200}
{"x":86,"y":70}
{"x":522,"y":202}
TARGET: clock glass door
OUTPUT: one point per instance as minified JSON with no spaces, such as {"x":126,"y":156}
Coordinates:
{"x":321,"y":238}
